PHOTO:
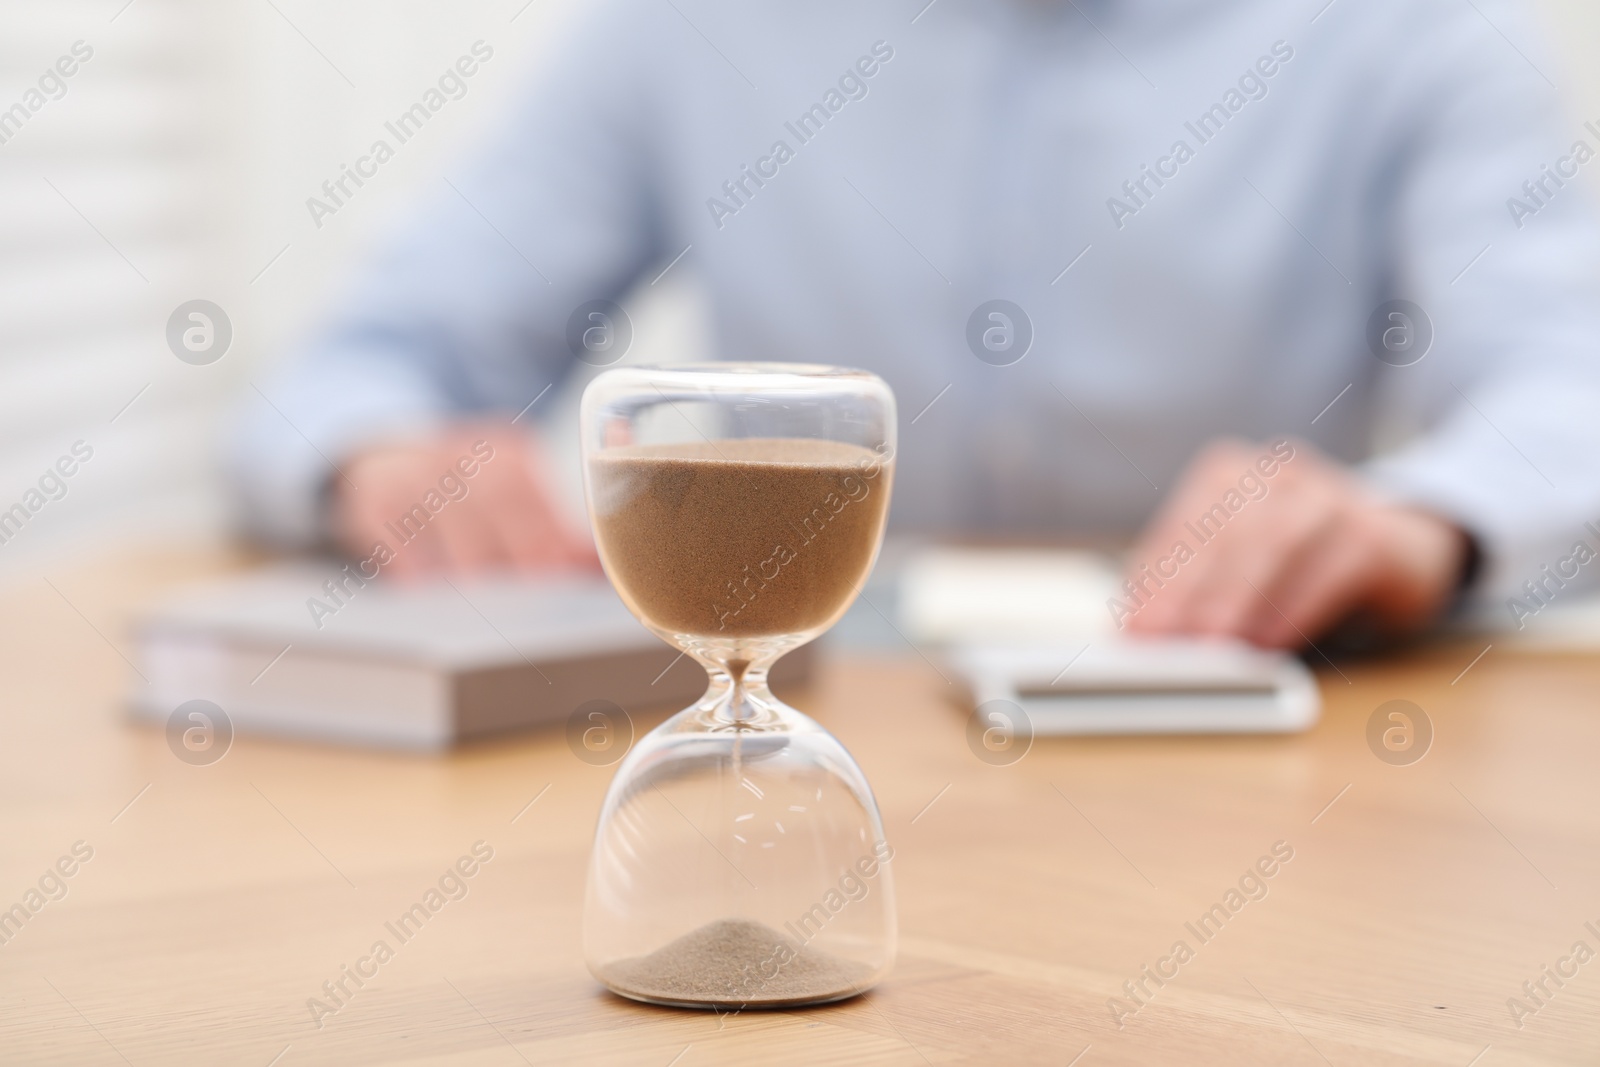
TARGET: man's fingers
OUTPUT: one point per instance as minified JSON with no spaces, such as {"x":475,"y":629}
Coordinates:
{"x":1254,"y":558}
{"x":1278,"y":553}
{"x":529,"y":527}
{"x":1212,"y":592}
{"x":1317,"y":594}
{"x":1167,"y":586}
{"x":464,"y":537}
{"x":501,"y":515}
{"x":1241,"y":535}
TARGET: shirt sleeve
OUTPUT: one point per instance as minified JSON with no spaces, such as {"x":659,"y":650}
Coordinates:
{"x":466,"y":308}
{"x":1507,"y":397}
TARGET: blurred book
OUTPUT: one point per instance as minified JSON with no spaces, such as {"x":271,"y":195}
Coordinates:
{"x":952,"y":595}
{"x":413,"y":666}
{"x":1032,"y":628}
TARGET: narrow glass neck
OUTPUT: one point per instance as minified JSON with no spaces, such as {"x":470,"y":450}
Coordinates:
{"x":738,"y":695}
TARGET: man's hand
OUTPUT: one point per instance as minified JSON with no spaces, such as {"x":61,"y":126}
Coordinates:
{"x":1275,"y":544}
{"x":419,"y":499}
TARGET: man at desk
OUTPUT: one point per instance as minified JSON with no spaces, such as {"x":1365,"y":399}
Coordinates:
{"x":1233,"y":235}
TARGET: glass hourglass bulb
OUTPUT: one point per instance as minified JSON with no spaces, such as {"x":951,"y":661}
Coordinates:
{"x":739,"y":859}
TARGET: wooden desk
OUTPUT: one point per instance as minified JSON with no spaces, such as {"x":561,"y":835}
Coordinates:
{"x":219,"y":899}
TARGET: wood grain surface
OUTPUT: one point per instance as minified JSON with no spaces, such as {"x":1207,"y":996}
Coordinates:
{"x":1418,"y":901}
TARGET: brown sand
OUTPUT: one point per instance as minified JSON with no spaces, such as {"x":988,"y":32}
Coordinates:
{"x":749,"y":537}
{"x":733,"y":963}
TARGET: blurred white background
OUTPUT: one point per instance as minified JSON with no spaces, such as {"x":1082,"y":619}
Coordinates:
{"x":177,"y":165}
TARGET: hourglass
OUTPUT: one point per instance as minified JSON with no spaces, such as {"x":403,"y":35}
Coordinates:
{"x":740,"y":859}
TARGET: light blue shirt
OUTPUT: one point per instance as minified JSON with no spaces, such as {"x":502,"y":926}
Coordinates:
{"x":1198,"y":205}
